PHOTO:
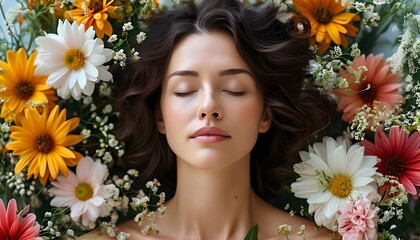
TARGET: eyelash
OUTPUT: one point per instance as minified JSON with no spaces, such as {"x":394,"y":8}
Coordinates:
{"x":184,"y":94}
{"x":181,"y":95}
{"x":235,"y":93}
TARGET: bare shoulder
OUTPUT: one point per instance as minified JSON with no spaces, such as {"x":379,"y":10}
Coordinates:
{"x":269,"y":218}
{"x":130,"y":227}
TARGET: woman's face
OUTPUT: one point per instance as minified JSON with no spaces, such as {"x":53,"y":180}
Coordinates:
{"x":211,"y":108}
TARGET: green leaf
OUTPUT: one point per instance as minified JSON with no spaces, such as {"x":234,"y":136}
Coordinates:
{"x":252,"y":234}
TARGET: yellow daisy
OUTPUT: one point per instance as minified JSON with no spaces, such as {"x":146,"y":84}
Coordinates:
{"x":95,"y":13}
{"x":19,"y":86}
{"x":42,"y":141}
{"x":329,"y":21}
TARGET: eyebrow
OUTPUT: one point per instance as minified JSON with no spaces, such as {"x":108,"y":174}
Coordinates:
{"x":227,"y":72}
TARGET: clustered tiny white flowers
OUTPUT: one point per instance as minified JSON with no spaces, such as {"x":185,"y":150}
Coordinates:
{"x":143,"y":205}
{"x":301,"y":232}
{"x":141,"y":37}
{"x":127,"y":27}
{"x":123,"y":236}
{"x":112,"y":38}
{"x":14,"y":12}
{"x":284,"y":229}
{"x":120,"y":58}
{"x":324,"y":70}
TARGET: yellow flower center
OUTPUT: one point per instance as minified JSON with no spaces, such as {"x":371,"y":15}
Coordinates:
{"x":323,"y":15}
{"x":24,"y":89}
{"x":340,"y":186}
{"x":44,"y":143}
{"x":74,"y":59}
{"x":84,"y":191}
{"x":394,"y":166}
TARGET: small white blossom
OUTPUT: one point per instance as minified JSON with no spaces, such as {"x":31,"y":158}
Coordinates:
{"x":141,"y":37}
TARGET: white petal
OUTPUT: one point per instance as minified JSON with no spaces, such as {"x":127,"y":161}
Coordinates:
{"x":355,"y":157}
{"x":108,"y":53}
{"x":96,"y":59}
{"x":89,"y":88}
{"x":60,"y":27}
{"x":319,"y":197}
{"x":330,"y":209}
{"x":81,"y":78}
{"x":319,"y":164}
{"x":64,"y":91}
{"x":91,"y":71}
{"x":338,"y":161}
{"x":89,"y":34}
{"x":361,"y":181}
{"x":51,"y":44}
{"x":58,"y":78}
{"x":104,"y":75}
{"x":88,"y":47}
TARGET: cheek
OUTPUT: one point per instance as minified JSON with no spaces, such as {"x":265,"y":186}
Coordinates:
{"x":248,"y":113}
{"x":176,"y":116}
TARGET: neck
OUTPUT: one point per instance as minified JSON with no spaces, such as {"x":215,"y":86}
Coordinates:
{"x":213,"y":202}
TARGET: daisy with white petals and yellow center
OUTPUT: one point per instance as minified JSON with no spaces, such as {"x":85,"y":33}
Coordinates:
{"x":330,"y":175}
{"x":84,"y":192}
{"x":72,"y":59}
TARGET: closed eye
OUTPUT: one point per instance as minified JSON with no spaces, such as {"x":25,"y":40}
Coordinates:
{"x":183,"y":94}
{"x":234,"y":93}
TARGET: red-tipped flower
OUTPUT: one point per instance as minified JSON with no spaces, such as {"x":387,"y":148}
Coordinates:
{"x":14,"y":226}
{"x":399,"y":154}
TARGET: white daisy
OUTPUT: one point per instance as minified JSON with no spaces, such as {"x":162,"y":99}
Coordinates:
{"x":330,"y":175}
{"x":72,"y":59}
{"x":84,"y":192}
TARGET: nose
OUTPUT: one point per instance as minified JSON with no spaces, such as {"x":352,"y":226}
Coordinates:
{"x":210,"y":108}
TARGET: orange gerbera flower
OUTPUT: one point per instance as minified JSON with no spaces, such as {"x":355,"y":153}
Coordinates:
{"x":95,"y":13}
{"x":328,"y":21}
{"x":376,"y":84}
{"x":20,"y":87}
{"x":42,"y":141}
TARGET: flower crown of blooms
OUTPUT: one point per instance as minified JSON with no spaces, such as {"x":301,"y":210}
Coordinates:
{"x":359,"y":178}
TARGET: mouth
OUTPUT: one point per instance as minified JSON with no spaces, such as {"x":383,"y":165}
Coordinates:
{"x":210,"y":135}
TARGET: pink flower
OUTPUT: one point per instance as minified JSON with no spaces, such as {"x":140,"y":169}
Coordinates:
{"x":376,"y":84}
{"x":357,"y":220}
{"x":13,"y":226}
{"x":84,"y":192}
{"x":399,"y":154}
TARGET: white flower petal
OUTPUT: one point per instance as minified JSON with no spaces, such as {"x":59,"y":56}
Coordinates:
{"x":338,"y":161}
{"x":89,"y":88}
{"x":58,"y":78}
{"x":90,"y":70}
{"x":96,"y":59}
{"x":104,"y":75}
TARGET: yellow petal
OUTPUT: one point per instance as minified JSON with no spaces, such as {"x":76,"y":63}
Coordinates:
{"x":24,"y":161}
{"x":333,"y":33}
{"x":343,"y":18}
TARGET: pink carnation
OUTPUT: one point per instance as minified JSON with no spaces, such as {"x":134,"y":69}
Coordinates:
{"x":357,"y":220}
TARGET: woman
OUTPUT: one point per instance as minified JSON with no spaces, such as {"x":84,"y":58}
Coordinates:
{"x":215,"y":110}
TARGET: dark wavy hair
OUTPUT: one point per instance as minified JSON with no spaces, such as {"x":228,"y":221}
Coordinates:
{"x":276,"y":52}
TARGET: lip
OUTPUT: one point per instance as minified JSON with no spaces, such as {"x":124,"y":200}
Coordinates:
{"x":210,"y":135}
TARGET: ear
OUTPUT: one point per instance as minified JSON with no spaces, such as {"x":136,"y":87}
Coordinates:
{"x":265,"y":120}
{"x":160,"y":122}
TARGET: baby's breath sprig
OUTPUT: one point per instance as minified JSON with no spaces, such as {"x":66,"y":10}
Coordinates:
{"x":147,"y":206}
{"x":284,"y":230}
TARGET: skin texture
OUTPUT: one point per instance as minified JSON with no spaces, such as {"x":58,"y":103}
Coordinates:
{"x":214,"y":198}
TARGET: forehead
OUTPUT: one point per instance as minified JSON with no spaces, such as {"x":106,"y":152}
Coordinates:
{"x":210,"y":51}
